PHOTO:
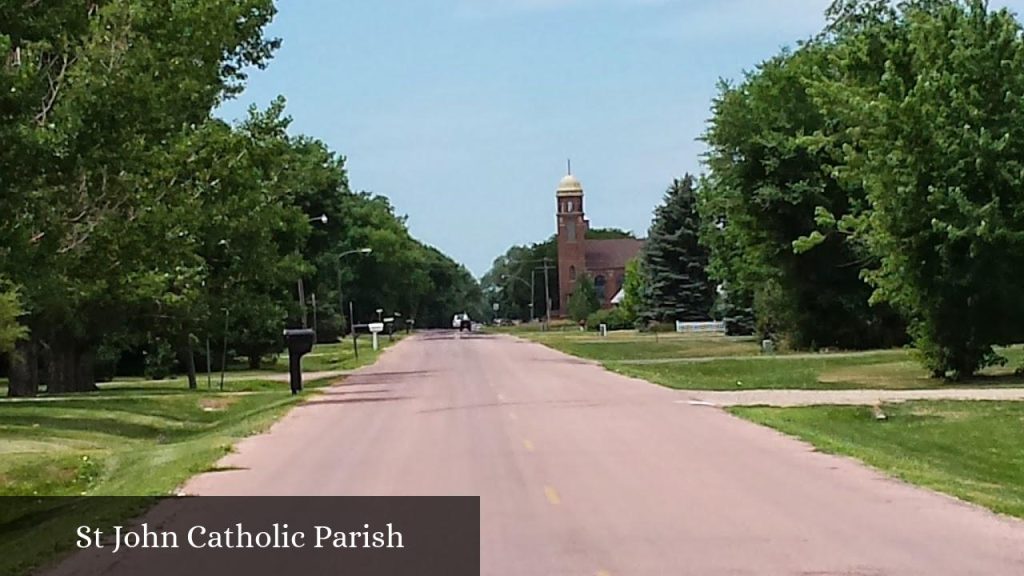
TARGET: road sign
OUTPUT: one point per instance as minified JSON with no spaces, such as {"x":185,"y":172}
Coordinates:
{"x":376,"y":327}
{"x":388,"y":320}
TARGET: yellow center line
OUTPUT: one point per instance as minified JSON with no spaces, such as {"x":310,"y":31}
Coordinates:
{"x":528,"y":445}
{"x":552,"y":495}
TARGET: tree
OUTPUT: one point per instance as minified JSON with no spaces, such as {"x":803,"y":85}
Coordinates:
{"x":634,"y":289}
{"x":11,"y":331}
{"x":675,"y":261}
{"x":583,"y":301}
{"x":101,"y":91}
{"x":508,"y":281}
{"x":936,"y":138}
{"x":772,"y":172}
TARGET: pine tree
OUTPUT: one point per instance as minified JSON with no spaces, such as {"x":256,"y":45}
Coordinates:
{"x":675,"y":261}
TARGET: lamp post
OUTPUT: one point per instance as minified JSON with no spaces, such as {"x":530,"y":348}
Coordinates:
{"x":302,"y":292}
{"x":529,"y":285}
{"x":341,"y":296}
{"x":547,"y":283}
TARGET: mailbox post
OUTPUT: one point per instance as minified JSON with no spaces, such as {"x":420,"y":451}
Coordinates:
{"x":375,"y":329}
{"x":300,"y":343}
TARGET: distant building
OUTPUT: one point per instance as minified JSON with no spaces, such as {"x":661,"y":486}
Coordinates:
{"x":603,"y":260}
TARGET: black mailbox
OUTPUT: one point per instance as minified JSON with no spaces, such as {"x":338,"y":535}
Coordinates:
{"x":300,"y":343}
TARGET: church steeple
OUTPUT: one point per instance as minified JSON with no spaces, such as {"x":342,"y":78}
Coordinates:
{"x":572,"y":234}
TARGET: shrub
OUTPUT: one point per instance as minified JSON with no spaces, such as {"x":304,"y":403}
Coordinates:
{"x":616,"y":319}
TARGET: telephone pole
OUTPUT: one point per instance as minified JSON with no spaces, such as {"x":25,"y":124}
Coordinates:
{"x":547,"y":292}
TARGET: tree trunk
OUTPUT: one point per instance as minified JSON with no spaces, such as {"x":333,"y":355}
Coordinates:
{"x":70,"y":368}
{"x":255,"y":361}
{"x":24,"y":376}
{"x":189,"y":358}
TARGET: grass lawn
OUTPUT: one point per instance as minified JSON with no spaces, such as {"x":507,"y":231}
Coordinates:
{"x":971,"y":450}
{"x":619,"y":346}
{"x":132,"y":438}
{"x":710,"y":362}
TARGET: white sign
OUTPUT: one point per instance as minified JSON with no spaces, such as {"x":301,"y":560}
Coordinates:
{"x":389,"y":320}
{"x":376,"y":327}
{"x":496,"y":306}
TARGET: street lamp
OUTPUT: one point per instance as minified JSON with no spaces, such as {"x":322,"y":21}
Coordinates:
{"x":302,"y":291}
{"x":530,"y":285}
{"x":547,"y":283}
{"x":341,"y":296}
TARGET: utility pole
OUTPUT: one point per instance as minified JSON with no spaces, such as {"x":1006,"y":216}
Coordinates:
{"x":341,"y":307}
{"x":547,"y":292}
{"x":314,"y":312}
{"x":355,"y":344}
{"x":533,"y":293}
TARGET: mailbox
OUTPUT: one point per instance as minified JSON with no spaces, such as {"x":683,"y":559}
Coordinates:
{"x":300,"y":343}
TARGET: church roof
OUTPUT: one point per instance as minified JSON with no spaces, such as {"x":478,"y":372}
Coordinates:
{"x":570,"y":185}
{"x":610,"y":254}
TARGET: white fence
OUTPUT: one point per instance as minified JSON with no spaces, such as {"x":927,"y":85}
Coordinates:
{"x":700,"y":327}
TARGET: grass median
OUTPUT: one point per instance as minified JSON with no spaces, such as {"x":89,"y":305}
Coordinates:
{"x":971,"y":450}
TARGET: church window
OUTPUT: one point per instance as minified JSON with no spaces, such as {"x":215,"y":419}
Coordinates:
{"x":570,"y":206}
{"x":599,"y":286}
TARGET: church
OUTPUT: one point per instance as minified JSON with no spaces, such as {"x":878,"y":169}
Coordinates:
{"x":603,"y":260}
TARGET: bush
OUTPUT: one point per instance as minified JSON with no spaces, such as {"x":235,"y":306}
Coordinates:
{"x":616,"y":319}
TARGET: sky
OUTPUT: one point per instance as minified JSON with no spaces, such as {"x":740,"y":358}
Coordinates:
{"x":464,"y":112}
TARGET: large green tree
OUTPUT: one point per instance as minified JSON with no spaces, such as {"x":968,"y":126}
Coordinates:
{"x":675,"y":261}
{"x":771,"y":173}
{"x":94,"y":93}
{"x":936,"y":139}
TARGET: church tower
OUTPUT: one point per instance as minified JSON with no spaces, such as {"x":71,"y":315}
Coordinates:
{"x":572,"y":235}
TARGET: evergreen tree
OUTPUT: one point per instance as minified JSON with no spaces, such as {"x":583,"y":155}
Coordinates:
{"x":675,"y":260}
{"x":583,"y":302}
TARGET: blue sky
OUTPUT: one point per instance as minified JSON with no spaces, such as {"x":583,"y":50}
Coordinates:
{"x":463,"y":112}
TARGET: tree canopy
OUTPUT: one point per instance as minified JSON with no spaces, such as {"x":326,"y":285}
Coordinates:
{"x":868,"y":181}
{"x":134,"y":219}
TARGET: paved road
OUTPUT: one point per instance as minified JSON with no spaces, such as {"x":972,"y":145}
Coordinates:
{"x":583,"y":472}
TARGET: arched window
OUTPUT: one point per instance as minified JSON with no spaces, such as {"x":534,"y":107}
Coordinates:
{"x":572,"y":273}
{"x":600,"y":285}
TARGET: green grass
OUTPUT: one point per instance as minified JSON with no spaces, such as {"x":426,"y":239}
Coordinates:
{"x":131,"y":438}
{"x":630,"y":346}
{"x":709,"y":362}
{"x":971,"y":450}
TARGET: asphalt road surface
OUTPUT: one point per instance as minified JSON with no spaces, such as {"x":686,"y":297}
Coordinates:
{"x":583,"y":472}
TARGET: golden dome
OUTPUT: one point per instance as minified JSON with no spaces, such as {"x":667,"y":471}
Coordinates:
{"x":570,"y":185}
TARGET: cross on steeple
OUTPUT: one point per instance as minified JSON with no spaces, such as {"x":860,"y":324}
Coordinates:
{"x":568,"y":163}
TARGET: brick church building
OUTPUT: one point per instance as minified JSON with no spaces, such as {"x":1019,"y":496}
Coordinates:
{"x":603,"y":260}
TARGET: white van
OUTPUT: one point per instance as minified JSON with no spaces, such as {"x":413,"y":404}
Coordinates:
{"x":462,"y":322}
